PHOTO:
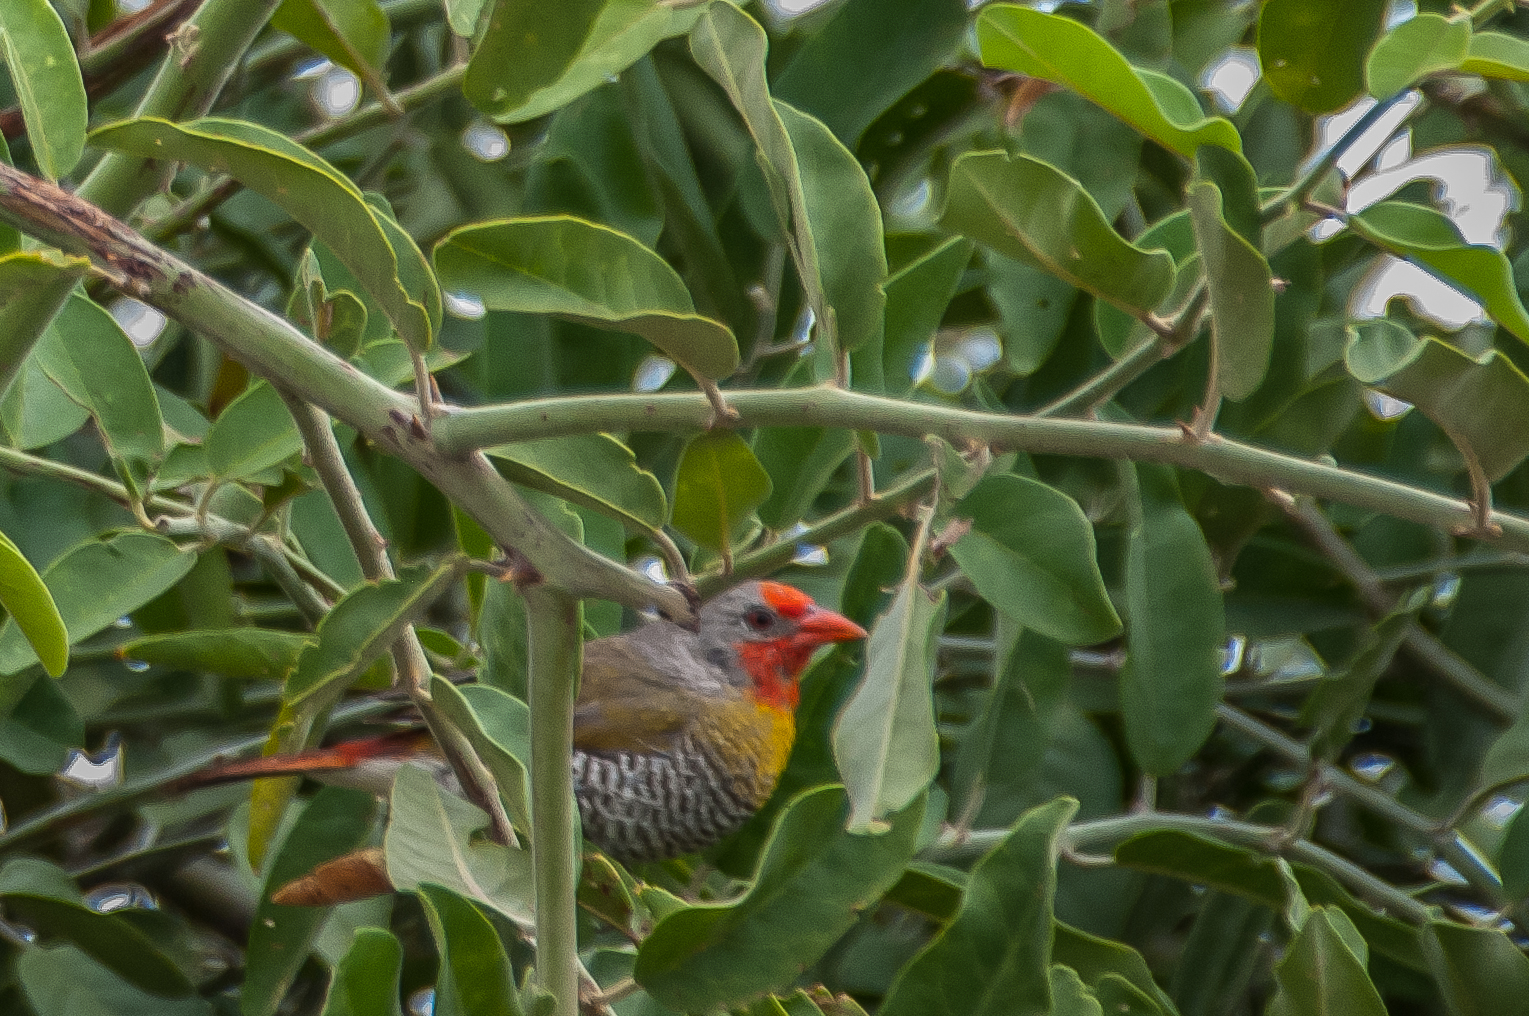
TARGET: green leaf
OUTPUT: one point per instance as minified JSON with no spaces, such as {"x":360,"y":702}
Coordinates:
{"x":917,"y":296}
{"x":717,"y":484}
{"x":1206,"y":862}
{"x":1513,"y":857}
{"x":1507,"y":760}
{"x":1033,"y":309}
{"x":591,"y":164}
{"x":1099,"y":961}
{"x":1031,"y":554}
{"x":31,"y":292}
{"x":851,"y":69}
{"x":1237,"y":181}
{"x":1497,"y":55}
{"x":46,"y":77}
{"x":535,"y":58}
{"x":1479,"y":971}
{"x":309,"y":189}
{"x":253,"y":433}
{"x":352,"y":33}
{"x":45,"y":899}
{"x":1241,"y":295}
{"x":1341,"y":697}
{"x":820,"y":194}
{"x":36,"y":412}
{"x":1070,"y":54}
{"x":1388,"y":936}
{"x":64,"y":981}
{"x":97,"y":582}
{"x":878,"y":568}
{"x":584,"y":272}
{"x":1477,"y":402}
{"x":96,"y":364}
{"x":296,"y":728}
{"x":1323,"y":971}
{"x":1175,"y":631}
{"x":1423,"y":45}
{"x":1028,"y":210}
{"x":1313,"y":51}
{"x":884,"y":740}
{"x":335,"y":822}
{"x":498,"y":726}
{"x":800,"y":461}
{"x":594,"y":471}
{"x":929,"y":889}
{"x":475,"y":978}
{"x":1119,"y":332}
{"x":40,"y":728}
{"x":995,"y":957}
{"x":363,"y":625}
{"x":1430,"y":240}
{"x":26,"y":599}
{"x":430,"y":839}
{"x":1000,"y":765}
{"x":689,"y":223}
{"x":365,"y":982}
{"x":842,"y":217}
{"x":1069,"y":995}
{"x":234,"y":652}
{"x":730,"y":46}
{"x":812,"y":881}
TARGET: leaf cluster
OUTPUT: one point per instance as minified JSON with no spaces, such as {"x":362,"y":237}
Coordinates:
{"x":376,"y":352}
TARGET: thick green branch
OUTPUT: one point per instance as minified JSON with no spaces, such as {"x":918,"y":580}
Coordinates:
{"x":1228,"y":461}
{"x":554,"y":659}
{"x":272,"y":348}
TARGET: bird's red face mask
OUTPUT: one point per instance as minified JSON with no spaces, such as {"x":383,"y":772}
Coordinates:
{"x":775,"y":664}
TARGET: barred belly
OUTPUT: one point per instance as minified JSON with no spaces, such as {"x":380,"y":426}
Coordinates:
{"x":647,"y":806}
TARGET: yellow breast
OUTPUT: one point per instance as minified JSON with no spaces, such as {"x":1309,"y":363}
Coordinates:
{"x":753,"y":741}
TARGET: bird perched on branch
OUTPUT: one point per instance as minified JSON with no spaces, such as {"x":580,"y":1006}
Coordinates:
{"x":678,"y":736}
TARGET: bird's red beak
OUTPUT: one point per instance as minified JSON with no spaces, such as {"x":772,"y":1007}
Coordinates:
{"x":824,"y":626}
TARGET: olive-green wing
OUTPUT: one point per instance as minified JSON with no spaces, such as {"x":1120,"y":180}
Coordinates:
{"x":626,"y":705}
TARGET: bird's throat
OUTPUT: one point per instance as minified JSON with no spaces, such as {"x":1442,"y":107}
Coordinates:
{"x":772,"y":667}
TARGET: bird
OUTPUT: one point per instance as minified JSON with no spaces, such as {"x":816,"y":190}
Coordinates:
{"x":679,"y":736}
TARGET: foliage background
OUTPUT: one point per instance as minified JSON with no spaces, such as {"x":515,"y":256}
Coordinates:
{"x":1195,"y":675}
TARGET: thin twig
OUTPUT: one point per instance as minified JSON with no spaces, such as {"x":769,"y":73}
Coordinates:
{"x":1337,"y":779}
{"x":1419,"y":643}
{"x":1297,"y":193}
{"x":673,"y":558}
{"x":329,"y":462}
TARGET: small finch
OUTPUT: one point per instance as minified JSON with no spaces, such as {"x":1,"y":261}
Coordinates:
{"x":678,"y":736}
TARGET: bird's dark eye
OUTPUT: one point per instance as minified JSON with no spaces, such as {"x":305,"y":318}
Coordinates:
{"x":759,"y":619}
